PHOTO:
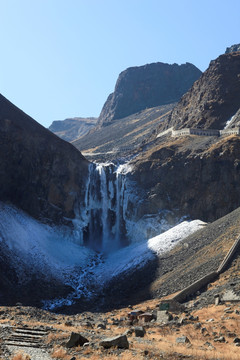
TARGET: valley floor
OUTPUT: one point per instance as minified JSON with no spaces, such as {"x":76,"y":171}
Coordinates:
{"x":212,"y":333}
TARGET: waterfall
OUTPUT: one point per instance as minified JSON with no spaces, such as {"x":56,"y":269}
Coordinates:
{"x":104,"y":215}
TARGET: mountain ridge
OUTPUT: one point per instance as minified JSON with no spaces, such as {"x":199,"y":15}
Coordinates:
{"x":72,"y":129}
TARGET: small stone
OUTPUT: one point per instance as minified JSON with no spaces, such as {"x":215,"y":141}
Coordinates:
{"x":217,"y":300}
{"x":182,"y":340}
{"x":227,"y":309}
{"x":220,"y":339}
{"x":68,"y":323}
{"x":231,"y":334}
{"x":236,"y":340}
{"x":87,"y":324}
{"x":207,"y":343}
{"x":101,"y":326}
{"x":197,"y":325}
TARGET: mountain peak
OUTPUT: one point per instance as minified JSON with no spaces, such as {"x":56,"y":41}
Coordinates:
{"x":147,"y":86}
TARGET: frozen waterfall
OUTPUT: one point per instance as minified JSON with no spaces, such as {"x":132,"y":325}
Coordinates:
{"x":106,"y":205}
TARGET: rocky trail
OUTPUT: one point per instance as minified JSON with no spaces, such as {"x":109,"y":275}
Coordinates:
{"x":25,"y":340}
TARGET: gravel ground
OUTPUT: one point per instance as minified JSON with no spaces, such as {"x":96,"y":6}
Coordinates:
{"x":34,"y":353}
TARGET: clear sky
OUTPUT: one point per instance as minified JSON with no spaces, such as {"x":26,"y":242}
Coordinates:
{"x":61,"y":58}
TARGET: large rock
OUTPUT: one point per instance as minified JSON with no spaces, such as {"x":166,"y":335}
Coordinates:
{"x":76,"y":340}
{"x":147,"y":86}
{"x":213,"y":99}
{"x":119,"y":341}
{"x":39,"y":173}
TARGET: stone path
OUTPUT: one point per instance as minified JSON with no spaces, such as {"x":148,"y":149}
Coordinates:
{"x":29,"y":341}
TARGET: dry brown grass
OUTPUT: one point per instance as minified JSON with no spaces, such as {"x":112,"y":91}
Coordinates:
{"x":21,"y":356}
{"x":60,"y":353}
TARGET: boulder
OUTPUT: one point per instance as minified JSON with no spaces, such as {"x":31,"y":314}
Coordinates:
{"x":120,"y":342}
{"x":139,"y":331}
{"x":76,"y":340}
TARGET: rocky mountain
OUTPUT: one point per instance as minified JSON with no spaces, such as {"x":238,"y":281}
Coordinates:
{"x":213,"y":99}
{"x":203,"y":169}
{"x":127,"y":215}
{"x":142,"y":87}
{"x":73,"y":128}
{"x":39,"y":172}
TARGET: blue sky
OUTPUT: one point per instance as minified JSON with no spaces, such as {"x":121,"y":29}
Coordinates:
{"x":61,"y":58}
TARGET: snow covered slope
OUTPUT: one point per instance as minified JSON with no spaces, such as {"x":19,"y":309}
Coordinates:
{"x":38,"y":248}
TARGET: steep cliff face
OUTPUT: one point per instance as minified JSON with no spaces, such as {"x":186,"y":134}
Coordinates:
{"x":213,"y":99}
{"x":73,"y":128}
{"x":147,"y":86}
{"x":195,"y":176}
{"x":39,"y":172}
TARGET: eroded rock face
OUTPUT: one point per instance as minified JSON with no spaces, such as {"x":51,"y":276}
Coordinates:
{"x":39,"y":172}
{"x":147,"y":86}
{"x":213,"y":99}
{"x":195,"y":176}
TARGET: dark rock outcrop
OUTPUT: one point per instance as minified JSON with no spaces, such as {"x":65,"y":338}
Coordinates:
{"x":73,"y":128}
{"x":213,"y":99}
{"x":232,"y":48}
{"x":195,"y":176}
{"x":147,"y":86}
{"x":39,"y":173}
